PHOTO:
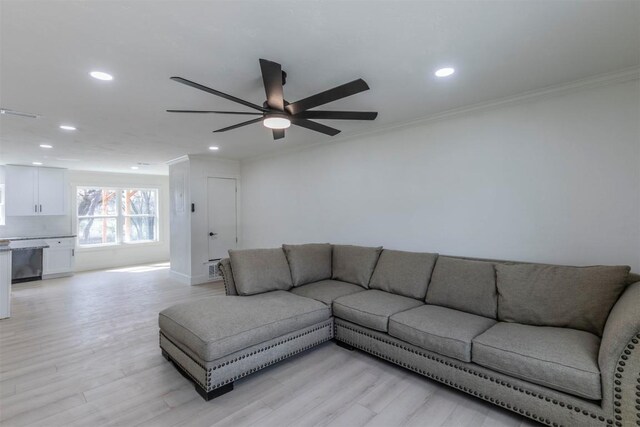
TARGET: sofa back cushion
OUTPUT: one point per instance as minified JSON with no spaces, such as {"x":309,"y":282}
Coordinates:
{"x":260,"y":270}
{"x":549,"y":295}
{"x":354,"y":264}
{"x":403,"y":273}
{"x":464,"y":285}
{"x":309,"y":263}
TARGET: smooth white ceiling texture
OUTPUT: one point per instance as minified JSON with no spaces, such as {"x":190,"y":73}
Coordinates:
{"x":499,"y":49}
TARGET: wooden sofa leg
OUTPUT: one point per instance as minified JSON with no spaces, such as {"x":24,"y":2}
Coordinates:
{"x":208,"y":395}
{"x":344,"y":345}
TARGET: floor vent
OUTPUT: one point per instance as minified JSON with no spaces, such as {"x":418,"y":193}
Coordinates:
{"x":214,"y":271}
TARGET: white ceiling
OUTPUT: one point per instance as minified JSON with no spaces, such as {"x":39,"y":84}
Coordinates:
{"x":499,"y":48}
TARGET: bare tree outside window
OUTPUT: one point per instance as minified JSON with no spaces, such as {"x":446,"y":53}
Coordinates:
{"x":138,"y":209}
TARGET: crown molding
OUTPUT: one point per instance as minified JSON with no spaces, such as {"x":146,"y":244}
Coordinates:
{"x":620,"y":76}
{"x":177,"y":160}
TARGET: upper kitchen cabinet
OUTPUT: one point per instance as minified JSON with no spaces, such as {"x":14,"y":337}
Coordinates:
{"x":36,"y":191}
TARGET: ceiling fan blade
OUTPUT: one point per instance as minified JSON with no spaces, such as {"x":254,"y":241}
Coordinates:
{"x":278,"y":133}
{"x":215,"y":112}
{"x":272,"y":79}
{"x":259,"y":119}
{"x":314,"y":126}
{"x":217,"y":93}
{"x":327,"y":96}
{"x":338,"y":115}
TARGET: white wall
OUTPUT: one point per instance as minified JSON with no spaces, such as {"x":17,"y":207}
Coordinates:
{"x":553,"y":179}
{"x":189,"y":230}
{"x":123,"y":255}
{"x":180,"y":219}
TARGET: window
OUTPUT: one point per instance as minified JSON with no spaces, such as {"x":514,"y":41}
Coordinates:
{"x":112,"y":216}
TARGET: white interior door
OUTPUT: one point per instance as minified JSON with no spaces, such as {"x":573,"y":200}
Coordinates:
{"x":222,"y":210}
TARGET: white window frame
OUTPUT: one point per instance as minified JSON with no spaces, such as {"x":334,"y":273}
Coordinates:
{"x":119,"y":217}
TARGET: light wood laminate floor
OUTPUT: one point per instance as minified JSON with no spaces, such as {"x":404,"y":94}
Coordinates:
{"x":83,"y":351}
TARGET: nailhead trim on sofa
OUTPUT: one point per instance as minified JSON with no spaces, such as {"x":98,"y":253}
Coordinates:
{"x":209,"y":370}
{"x":262,"y":349}
{"x":539,"y":418}
{"x":629,"y":361}
{"x":224,"y":278}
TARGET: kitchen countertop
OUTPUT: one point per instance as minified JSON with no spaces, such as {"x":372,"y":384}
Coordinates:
{"x":52,"y":236}
{"x":21,"y":243}
{"x":24,"y":245}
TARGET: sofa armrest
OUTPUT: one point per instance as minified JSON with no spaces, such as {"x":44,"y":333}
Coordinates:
{"x":619,"y":357}
{"x":227,"y":276}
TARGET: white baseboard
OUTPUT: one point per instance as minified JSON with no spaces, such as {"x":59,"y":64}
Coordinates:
{"x":197,"y":280}
{"x":182,"y":278}
{"x":189,"y":280}
{"x":56,"y":275}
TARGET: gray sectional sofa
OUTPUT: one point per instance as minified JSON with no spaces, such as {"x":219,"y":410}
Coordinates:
{"x":557,"y":344}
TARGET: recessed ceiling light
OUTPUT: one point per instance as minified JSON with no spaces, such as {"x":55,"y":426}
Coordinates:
{"x":277,"y":122}
{"x":444,"y":72}
{"x":100,"y":75}
{"x":214,"y":148}
{"x":134,"y":167}
{"x":46,"y":146}
{"x":67,"y":127}
{"x":36,"y":163}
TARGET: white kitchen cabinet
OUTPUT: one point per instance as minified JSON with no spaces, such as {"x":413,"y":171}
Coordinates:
{"x":21,"y":190}
{"x":59,"y":258}
{"x":5,"y":284}
{"x":36,"y":191}
{"x":52,"y":191}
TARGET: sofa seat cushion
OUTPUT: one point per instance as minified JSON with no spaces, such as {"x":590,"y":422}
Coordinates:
{"x":218,"y":326}
{"x":559,"y":358}
{"x":309,"y":263}
{"x":403,"y":273}
{"x":327,"y":290}
{"x":439,"y":329}
{"x":372,"y":308}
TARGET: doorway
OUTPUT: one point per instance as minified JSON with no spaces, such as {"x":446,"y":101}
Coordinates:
{"x":222,"y":211}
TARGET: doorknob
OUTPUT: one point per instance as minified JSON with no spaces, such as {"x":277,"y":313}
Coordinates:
{"x":211,"y":234}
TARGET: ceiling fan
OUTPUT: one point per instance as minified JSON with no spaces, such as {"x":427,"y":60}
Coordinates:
{"x":278,"y":114}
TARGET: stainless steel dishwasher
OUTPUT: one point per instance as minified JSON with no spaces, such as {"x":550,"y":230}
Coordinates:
{"x":26,"y":265}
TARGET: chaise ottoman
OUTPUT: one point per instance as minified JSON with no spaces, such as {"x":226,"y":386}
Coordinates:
{"x":217,"y":340}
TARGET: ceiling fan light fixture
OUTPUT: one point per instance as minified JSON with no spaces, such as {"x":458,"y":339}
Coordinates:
{"x":276,"y":122}
{"x":445,"y":72}
{"x":101,"y":75}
